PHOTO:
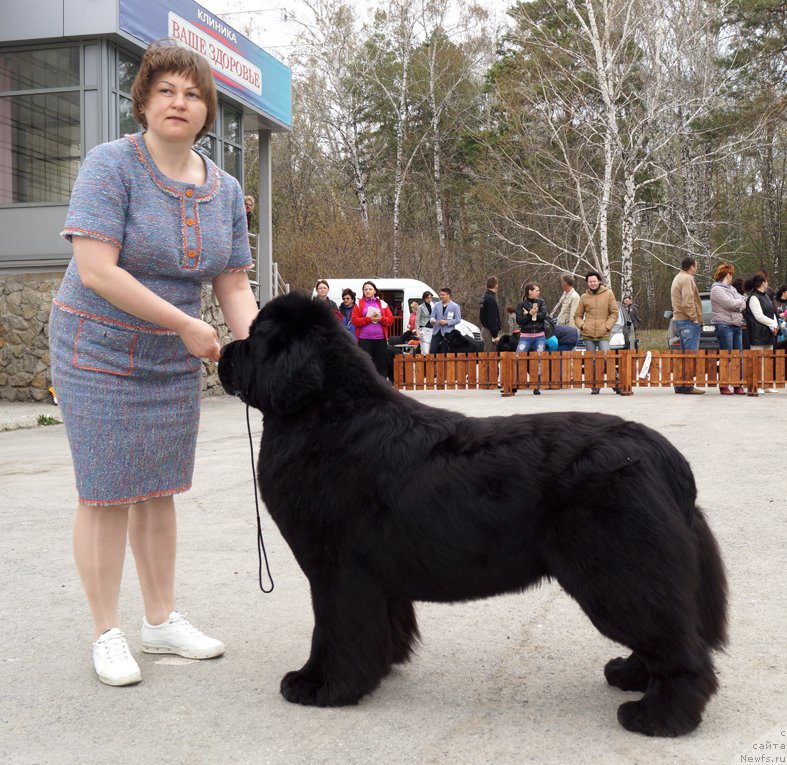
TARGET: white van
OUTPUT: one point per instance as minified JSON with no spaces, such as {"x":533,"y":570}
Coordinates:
{"x":398,"y":293}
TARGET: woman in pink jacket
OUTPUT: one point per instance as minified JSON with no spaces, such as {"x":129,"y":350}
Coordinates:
{"x":372,"y":318}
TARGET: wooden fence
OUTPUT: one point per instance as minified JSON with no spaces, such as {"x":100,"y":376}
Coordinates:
{"x":625,"y":370}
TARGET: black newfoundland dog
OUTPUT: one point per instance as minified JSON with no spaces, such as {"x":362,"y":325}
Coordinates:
{"x":492,"y":505}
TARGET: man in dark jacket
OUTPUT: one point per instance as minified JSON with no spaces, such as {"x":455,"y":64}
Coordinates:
{"x":489,"y":317}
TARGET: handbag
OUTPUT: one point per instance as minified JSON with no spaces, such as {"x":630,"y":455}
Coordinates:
{"x":549,"y":327}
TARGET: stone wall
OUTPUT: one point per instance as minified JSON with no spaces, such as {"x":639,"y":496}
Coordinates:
{"x":25,"y":302}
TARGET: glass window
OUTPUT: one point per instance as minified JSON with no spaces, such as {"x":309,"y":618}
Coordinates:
{"x":126,"y":121}
{"x":127,"y":71}
{"x":207,"y":146}
{"x":39,"y":69}
{"x":39,"y":146}
{"x":232,"y":128}
{"x":232,"y":161}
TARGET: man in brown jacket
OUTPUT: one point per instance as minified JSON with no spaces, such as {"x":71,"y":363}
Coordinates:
{"x":687,"y":315}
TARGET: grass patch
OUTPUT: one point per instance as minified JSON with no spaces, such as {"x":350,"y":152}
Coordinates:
{"x":652,"y":339}
{"x":45,"y":419}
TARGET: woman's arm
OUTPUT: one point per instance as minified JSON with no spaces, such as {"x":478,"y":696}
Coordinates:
{"x":728,"y":299}
{"x":579,"y":314}
{"x":237,"y":301}
{"x":522,"y":317}
{"x":756,"y":309}
{"x":386,"y":317}
{"x":612,"y":317}
{"x":97,"y":265}
{"x":357,"y":318}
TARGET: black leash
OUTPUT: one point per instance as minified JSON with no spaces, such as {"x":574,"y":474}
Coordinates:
{"x":260,"y":542}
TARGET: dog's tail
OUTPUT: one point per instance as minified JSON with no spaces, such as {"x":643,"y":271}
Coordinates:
{"x":712,"y":592}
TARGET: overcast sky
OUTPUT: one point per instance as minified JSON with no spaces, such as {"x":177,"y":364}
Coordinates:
{"x":274,"y":26}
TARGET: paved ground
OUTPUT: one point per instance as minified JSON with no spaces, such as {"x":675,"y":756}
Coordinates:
{"x":509,"y":680}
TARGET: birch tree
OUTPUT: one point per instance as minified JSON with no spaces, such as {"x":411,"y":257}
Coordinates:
{"x":457,"y":44}
{"x":330,"y":60}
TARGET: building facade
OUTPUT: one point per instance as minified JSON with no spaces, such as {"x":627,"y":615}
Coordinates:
{"x":66,"y":69}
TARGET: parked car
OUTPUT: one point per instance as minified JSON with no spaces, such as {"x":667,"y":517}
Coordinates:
{"x":708,"y":339}
{"x":623,"y":336}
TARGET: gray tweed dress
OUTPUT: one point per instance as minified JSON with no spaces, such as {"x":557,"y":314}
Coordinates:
{"x":128,"y":390}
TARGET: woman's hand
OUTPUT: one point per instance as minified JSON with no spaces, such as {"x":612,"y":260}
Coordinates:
{"x":200,"y":339}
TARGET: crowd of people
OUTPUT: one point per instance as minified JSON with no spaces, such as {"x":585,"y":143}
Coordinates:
{"x":745,"y":314}
{"x":370,"y":319}
{"x":432,"y":321}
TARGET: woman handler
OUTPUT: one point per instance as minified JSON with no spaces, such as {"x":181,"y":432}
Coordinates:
{"x":150,"y":220}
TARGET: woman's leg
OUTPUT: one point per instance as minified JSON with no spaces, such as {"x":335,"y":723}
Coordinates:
{"x":725,"y":336}
{"x":539,"y":346}
{"x":590,"y":348}
{"x":99,"y":552}
{"x":152,"y":531}
{"x":426,"y":339}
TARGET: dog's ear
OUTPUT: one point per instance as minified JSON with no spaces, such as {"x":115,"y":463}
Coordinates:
{"x":298,"y":373}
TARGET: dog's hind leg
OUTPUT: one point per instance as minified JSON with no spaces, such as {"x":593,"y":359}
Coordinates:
{"x":404,"y":629}
{"x":681,"y":682}
{"x":641,"y":591}
{"x":629,"y":674}
{"x":351,"y":644}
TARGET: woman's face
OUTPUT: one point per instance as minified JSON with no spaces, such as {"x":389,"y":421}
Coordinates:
{"x":534,"y":293}
{"x":175,"y":109}
{"x":727,"y":278}
{"x":347,"y":299}
{"x":763,"y":286}
{"x":368,"y":290}
{"x":593,"y":282}
{"x":322,"y":290}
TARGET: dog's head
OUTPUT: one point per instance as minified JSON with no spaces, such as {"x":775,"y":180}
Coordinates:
{"x":281,"y":365}
{"x":507,"y":344}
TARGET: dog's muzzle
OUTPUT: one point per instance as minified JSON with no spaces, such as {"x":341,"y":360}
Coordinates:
{"x":226,"y":372}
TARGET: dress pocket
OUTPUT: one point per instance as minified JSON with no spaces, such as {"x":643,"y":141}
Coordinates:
{"x":194,"y":363}
{"x":102,"y":348}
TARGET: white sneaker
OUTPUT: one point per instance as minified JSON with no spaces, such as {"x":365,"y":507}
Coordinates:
{"x":771,"y":390}
{"x":113,"y":661}
{"x":179,"y":636}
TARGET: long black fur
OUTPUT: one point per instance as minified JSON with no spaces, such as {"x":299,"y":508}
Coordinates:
{"x":492,"y":505}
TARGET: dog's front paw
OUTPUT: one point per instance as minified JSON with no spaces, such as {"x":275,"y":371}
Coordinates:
{"x":651,"y":720}
{"x":300,"y":687}
{"x":627,"y":674}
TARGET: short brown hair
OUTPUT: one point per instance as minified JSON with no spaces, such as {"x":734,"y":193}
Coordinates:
{"x":163,"y":57}
{"x":491,"y":282}
{"x":722,"y":271}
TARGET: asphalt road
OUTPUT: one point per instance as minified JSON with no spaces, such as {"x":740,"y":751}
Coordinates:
{"x":515,"y":679}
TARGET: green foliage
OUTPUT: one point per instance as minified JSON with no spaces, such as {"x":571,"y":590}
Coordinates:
{"x":45,"y":419}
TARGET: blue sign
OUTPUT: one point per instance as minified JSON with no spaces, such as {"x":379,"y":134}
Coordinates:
{"x":238,"y":65}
